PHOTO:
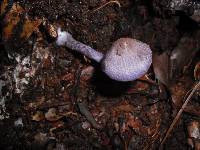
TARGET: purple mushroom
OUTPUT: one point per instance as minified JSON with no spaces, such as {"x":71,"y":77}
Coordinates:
{"x":128,"y":59}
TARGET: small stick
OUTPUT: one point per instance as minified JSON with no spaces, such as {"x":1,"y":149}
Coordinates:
{"x":84,"y":111}
{"x":81,"y":105}
{"x":179,"y":114}
{"x":100,"y":7}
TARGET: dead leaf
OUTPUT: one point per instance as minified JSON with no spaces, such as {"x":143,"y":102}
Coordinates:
{"x":196,"y":15}
{"x":124,"y":108}
{"x":38,"y":102}
{"x":86,"y":125}
{"x":197,"y":71}
{"x":193,"y":129}
{"x":38,"y":116}
{"x":134,"y":122}
{"x":52,"y":30}
{"x":178,"y":92}
{"x":138,"y":87}
{"x":161,"y":67}
{"x":4,"y":4}
{"x":51,"y":115}
{"x":40,"y":139}
{"x":87,"y":73}
{"x":182,"y":56}
{"x":56,"y":125}
{"x":11,"y":20}
{"x":29,"y":26}
{"x":68,"y":77}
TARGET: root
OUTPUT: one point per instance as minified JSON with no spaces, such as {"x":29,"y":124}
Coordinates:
{"x":113,"y":1}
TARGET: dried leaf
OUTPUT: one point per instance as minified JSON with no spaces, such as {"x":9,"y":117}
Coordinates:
{"x":68,"y":77}
{"x":124,"y":108}
{"x":178,"y":92}
{"x":52,"y":30}
{"x":196,"y":15}
{"x":38,"y":116}
{"x":138,"y":86}
{"x":51,"y":115}
{"x":161,"y":67}
{"x":183,"y":54}
{"x":40,"y":139}
{"x":11,"y":20}
{"x":4,"y":4}
{"x":197,"y":71}
{"x":56,"y":125}
{"x":193,"y":129}
{"x":86,"y":125}
{"x":28,"y":27}
{"x":40,"y":100}
{"x":87,"y":73}
{"x":134,"y":122}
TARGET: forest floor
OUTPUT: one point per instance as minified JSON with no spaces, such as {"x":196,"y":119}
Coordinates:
{"x":53,"y":98}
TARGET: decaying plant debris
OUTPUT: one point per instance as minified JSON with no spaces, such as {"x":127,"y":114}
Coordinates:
{"x":54,"y":98}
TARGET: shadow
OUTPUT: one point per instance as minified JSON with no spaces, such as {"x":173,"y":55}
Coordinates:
{"x":186,"y":23}
{"x":106,"y":86}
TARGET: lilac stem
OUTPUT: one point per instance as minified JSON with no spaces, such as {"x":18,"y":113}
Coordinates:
{"x":66,"y":39}
{"x":85,"y":50}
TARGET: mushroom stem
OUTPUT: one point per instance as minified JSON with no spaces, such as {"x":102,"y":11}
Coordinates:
{"x":66,"y":39}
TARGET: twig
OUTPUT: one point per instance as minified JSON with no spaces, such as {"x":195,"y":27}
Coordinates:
{"x":113,"y":1}
{"x":179,"y":114}
{"x":76,"y":85}
{"x":84,"y":111}
{"x":47,"y":106}
{"x":81,"y":105}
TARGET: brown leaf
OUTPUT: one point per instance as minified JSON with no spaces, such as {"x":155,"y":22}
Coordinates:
{"x":40,"y":139}
{"x":52,"y":30}
{"x":38,"y":102}
{"x":196,"y":15}
{"x":193,"y":129}
{"x":134,"y":123}
{"x":38,"y":116}
{"x":28,"y":27}
{"x":197,"y":71}
{"x":51,"y":115}
{"x":87,"y":73}
{"x":67,"y":77}
{"x":11,"y":20}
{"x":4,"y":4}
{"x":138,"y":86}
{"x":56,"y":125}
{"x":182,"y":56}
{"x":161,"y":67}
{"x":124,"y":108}
{"x":178,"y":92}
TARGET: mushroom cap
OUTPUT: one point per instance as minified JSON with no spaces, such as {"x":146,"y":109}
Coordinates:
{"x":127,"y":60}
